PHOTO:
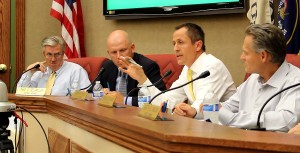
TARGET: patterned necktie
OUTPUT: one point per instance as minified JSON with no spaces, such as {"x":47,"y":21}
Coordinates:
{"x":122,"y":84}
{"x":50,"y":83}
{"x":189,"y":77}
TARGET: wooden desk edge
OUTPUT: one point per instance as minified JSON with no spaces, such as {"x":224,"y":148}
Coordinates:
{"x":131,"y":139}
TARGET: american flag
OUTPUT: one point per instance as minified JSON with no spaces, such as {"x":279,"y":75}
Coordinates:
{"x":69,"y":13}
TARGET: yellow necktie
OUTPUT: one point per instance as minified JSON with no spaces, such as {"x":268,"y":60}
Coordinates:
{"x":189,"y":77}
{"x":50,"y":83}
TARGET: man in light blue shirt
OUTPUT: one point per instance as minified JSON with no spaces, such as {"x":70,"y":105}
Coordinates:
{"x":69,"y":76}
{"x":264,"y":57}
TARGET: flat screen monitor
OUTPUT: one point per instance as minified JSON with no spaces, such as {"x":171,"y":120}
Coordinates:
{"x":132,"y":9}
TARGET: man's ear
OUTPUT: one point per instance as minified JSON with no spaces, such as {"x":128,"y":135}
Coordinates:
{"x":265,"y":56}
{"x":198,"y":45}
{"x":133,"y":47}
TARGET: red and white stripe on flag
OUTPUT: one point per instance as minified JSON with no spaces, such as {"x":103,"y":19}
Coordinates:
{"x":69,"y":13}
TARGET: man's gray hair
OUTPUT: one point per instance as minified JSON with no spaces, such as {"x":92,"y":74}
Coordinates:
{"x":269,"y":38}
{"x":54,"y":41}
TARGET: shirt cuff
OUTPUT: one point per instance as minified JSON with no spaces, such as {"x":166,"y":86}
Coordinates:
{"x":199,"y":115}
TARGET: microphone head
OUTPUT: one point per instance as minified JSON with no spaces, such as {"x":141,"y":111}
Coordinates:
{"x":167,"y":73}
{"x":101,"y":71}
{"x":36,"y":66}
{"x":204,"y":74}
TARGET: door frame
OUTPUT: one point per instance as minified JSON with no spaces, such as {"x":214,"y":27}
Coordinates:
{"x":20,"y":38}
{"x":5,"y":40}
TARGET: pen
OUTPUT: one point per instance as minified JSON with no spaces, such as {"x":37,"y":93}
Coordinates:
{"x":164,"y":108}
{"x":133,"y":62}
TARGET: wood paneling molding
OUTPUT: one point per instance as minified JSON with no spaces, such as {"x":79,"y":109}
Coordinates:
{"x":20,"y":37}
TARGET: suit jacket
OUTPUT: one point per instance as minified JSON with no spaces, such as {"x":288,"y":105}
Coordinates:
{"x":110,"y":74}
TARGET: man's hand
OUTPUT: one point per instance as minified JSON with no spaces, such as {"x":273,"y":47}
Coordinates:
{"x":41,"y":68}
{"x":184,"y":109}
{"x":134,"y":71}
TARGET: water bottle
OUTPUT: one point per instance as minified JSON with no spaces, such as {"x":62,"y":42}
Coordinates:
{"x":143,"y":96}
{"x":98,"y":90}
{"x":211,"y":107}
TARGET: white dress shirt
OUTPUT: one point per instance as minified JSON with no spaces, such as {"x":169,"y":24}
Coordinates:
{"x":70,"y":76}
{"x":280,"y":114}
{"x":220,"y":82}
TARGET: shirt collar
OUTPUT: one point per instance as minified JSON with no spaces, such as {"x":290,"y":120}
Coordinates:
{"x":49,"y":71}
{"x":276,"y":78}
{"x":195,"y":66}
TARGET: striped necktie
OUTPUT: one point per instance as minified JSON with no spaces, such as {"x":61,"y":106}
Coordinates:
{"x":50,"y":83}
{"x":189,"y":77}
{"x":122,"y":84}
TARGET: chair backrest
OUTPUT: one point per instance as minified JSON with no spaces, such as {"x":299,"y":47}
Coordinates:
{"x":92,"y":65}
{"x":167,"y":62}
{"x":291,"y":58}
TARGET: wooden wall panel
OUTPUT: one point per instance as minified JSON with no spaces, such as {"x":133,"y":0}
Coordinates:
{"x":5,"y":39}
{"x":76,"y":148}
{"x":20,"y":37}
{"x":58,"y":143}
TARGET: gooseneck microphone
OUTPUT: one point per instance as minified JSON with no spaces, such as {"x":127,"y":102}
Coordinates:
{"x":14,"y":87}
{"x":262,"y":108}
{"x":202,"y":75}
{"x":100,"y":73}
{"x":164,"y":76}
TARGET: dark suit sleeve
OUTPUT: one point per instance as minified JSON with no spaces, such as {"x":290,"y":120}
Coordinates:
{"x":152,"y":71}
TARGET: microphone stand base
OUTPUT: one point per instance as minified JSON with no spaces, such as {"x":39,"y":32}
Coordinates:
{"x":258,"y":129}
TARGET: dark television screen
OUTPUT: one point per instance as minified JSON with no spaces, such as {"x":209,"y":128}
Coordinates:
{"x":130,"y":9}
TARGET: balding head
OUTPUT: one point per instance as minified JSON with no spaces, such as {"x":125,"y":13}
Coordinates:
{"x":118,"y":36}
{"x":119,"y":44}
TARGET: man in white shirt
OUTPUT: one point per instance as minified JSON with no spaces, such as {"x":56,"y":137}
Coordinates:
{"x":189,"y":47}
{"x":68,"y":76}
{"x":264,"y":56}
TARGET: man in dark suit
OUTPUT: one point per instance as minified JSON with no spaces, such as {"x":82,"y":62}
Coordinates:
{"x":119,"y":44}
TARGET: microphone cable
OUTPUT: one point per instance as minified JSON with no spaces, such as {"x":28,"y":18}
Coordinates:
{"x":40,"y":126}
{"x":164,"y":76}
{"x":260,"y":111}
{"x":202,"y":75}
{"x":100,"y":72}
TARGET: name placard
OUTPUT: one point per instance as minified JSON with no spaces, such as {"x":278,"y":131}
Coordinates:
{"x":30,"y":91}
{"x":149,"y":111}
{"x":78,"y":94}
{"x":107,"y":100}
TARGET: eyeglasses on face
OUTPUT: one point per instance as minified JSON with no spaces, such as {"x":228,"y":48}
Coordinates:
{"x":56,"y":55}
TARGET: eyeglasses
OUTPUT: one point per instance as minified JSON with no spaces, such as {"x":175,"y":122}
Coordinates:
{"x":56,"y":55}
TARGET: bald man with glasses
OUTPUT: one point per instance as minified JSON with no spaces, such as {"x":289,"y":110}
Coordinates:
{"x":120,"y":84}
